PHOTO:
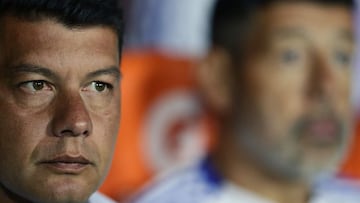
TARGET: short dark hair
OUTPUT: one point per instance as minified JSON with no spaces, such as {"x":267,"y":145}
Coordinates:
{"x":232,"y":18}
{"x":71,"y":13}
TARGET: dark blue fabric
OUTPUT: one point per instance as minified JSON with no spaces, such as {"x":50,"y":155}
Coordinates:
{"x":210,"y":173}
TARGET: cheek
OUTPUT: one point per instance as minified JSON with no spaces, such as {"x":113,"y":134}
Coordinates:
{"x":104,"y":143}
{"x":105,"y":131}
{"x":19,"y":136}
{"x":281,"y":104}
{"x":343,"y":96}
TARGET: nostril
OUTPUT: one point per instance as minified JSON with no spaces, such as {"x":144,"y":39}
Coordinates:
{"x":65,"y":132}
{"x":73,"y":133}
{"x":86,"y":133}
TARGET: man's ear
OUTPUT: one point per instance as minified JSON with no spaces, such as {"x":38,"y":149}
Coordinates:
{"x":215,"y":80}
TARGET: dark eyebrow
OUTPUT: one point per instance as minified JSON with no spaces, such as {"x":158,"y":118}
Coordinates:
{"x":46,"y":72}
{"x":112,"y":70}
{"x":30,"y":68}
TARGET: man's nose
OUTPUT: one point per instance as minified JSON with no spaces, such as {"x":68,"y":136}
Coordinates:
{"x":71,"y":117}
{"x":322,"y":77}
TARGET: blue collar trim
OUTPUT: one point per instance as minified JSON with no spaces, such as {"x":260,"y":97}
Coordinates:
{"x":211,"y":175}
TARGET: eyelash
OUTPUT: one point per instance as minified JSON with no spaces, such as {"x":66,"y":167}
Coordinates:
{"x":22,"y":84}
{"x":107,"y":85}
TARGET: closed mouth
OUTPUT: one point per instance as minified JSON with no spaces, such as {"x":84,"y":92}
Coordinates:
{"x":66,"y":164}
{"x":324,"y":131}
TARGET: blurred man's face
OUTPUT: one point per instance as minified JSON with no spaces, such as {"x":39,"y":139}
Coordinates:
{"x":295,"y":88}
{"x":59,"y":109}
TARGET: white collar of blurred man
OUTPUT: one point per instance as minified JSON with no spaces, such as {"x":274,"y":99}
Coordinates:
{"x":277,"y":78}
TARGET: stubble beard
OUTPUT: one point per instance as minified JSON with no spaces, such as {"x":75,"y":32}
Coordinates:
{"x":286,"y":159}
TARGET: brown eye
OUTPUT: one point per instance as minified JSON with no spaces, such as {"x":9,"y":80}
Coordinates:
{"x":38,"y":85}
{"x":343,"y":58}
{"x":99,"y":86}
{"x":35,"y":93}
{"x":289,"y":56}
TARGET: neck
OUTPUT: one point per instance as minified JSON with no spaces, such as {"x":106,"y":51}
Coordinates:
{"x":242,"y":171}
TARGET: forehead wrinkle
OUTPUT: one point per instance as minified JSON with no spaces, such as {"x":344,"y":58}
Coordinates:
{"x":309,"y":22}
{"x":290,"y":33}
{"x":48,"y":39}
{"x":47,"y":47}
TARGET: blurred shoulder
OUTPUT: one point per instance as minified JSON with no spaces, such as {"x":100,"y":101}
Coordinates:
{"x":337,"y":190}
{"x":189,"y":185}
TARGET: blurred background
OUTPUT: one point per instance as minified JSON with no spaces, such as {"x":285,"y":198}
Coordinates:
{"x":163,"y":124}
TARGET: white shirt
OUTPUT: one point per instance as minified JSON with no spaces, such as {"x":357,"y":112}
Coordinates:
{"x":232,"y":194}
{"x":202,"y":184}
{"x":100,"y":198}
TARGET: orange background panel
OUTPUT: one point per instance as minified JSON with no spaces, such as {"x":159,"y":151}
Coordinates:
{"x":352,"y":165}
{"x":146,"y":76}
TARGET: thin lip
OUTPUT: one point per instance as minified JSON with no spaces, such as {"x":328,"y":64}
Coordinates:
{"x":324,"y":122}
{"x":335,"y":135}
{"x":321,"y":121}
{"x":67,"y":159}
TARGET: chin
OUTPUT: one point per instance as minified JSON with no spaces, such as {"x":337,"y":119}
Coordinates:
{"x":74,"y":196}
{"x":320,"y":169}
{"x":66,"y":191}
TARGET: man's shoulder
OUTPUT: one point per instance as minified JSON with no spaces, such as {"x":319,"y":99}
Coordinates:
{"x":336,"y":190}
{"x":100,"y":198}
{"x":184,"y":186}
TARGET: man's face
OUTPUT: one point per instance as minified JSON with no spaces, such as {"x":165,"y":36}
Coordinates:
{"x":295,"y":87}
{"x":59,"y":104}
